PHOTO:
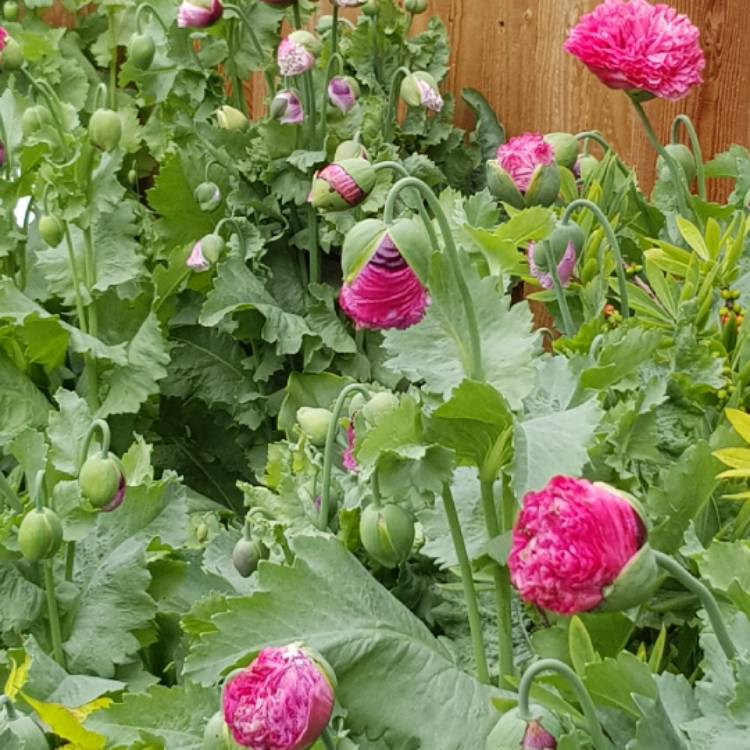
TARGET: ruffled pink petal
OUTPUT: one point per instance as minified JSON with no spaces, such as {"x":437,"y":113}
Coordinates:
{"x":521,"y":156}
{"x":571,"y":540}
{"x":3,"y":38}
{"x":631,"y":44}
{"x":196,"y":260}
{"x":565,"y":267}
{"x":347,"y":458}
{"x":343,"y":183}
{"x":198,"y":15}
{"x":430,"y":97}
{"x":281,"y":701}
{"x":293,"y":59}
{"x":386,"y":294}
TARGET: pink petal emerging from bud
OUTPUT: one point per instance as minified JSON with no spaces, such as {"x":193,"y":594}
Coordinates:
{"x":634,"y":45}
{"x":117,"y":500}
{"x":386,"y":293}
{"x":197,"y":261}
{"x":350,"y":463}
{"x":430,"y":97}
{"x":293,"y":59}
{"x":343,"y":183}
{"x":3,"y":38}
{"x":536,"y":737}
{"x":571,"y":540}
{"x":564,"y":267}
{"x":521,"y":156}
{"x":341,"y":94}
{"x":287,"y":108}
{"x":282,"y":701}
{"x":198,"y":14}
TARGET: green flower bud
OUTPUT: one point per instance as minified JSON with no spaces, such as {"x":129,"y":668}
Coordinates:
{"x":544,"y":187}
{"x":420,"y":89}
{"x":230,"y":118}
{"x":105,"y":129}
{"x":208,"y":196}
{"x":10,"y":10}
{"x":12,"y":55}
{"x":324,"y":25}
{"x":350,"y":150}
{"x":133,"y":176}
{"x":378,"y":406}
{"x":511,"y":729}
{"x":387,"y":534}
{"x":51,"y":230}
{"x":586,"y":165}
{"x":565,"y":146}
{"x":502,"y":186}
{"x":683,"y":156}
{"x":415,"y":6}
{"x":102,"y":481}
{"x":356,"y":403}
{"x":314,"y":423}
{"x":33,"y":119}
{"x":246,"y":555}
{"x":370,"y":8}
{"x":141,"y":51}
{"x":342,"y":185}
{"x":40,"y":534}
{"x":557,"y":242}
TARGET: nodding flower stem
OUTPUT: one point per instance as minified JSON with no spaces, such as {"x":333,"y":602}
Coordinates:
{"x":614,"y":246}
{"x":598,"y":739}
{"x":325,"y":495}
{"x":562,"y":301}
{"x":142,"y":9}
{"x":391,"y":110}
{"x":695,"y":147}
{"x":270,"y":83}
{"x":103,"y":428}
{"x":474,"y":367}
{"x":231,"y":221}
{"x":593,"y":135}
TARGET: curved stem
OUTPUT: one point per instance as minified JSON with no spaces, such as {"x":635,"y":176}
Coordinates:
{"x":612,"y":240}
{"x":103,"y":427}
{"x":53,"y":103}
{"x":207,"y":170}
{"x":501,"y":578}
{"x":695,"y":146}
{"x":325,"y":495}
{"x":401,"y":169}
{"x":237,"y":230}
{"x":90,"y":271}
{"x":598,"y":739}
{"x":677,"y":174}
{"x":475,"y":369}
{"x":467,"y":581}
{"x":270,"y":84}
{"x":312,"y":231}
{"x":139,"y":18}
{"x":594,"y":135}
{"x":562,"y":302}
{"x":706,"y":597}
{"x":335,"y":30}
{"x":390,"y":111}
{"x":335,"y":61}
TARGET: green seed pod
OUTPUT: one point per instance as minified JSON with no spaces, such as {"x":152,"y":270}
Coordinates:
{"x":33,"y":119}
{"x":10,"y":10}
{"x":379,"y":405}
{"x":133,"y":177}
{"x":12,"y":55}
{"x":208,"y":196}
{"x":246,"y":555}
{"x":51,"y":230}
{"x":102,"y":482}
{"x":141,"y":51}
{"x":40,"y":534}
{"x":387,"y":534}
{"x":105,"y":129}
{"x":565,"y":146}
{"x":314,"y":423}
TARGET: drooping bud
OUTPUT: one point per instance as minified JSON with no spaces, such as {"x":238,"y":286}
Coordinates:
{"x":343,"y":92}
{"x":287,"y":108}
{"x":314,"y":422}
{"x":683,"y":156}
{"x":421,"y":90}
{"x":105,"y":129}
{"x":40,"y":534}
{"x":512,"y":731}
{"x":51,"y":230}
{"x":371,"y":7}
{"x":297,"y":52}
{"x":230,"y":118}
{"x":415,"y":6}
{"x":536,"y":737}
{"x":356,"y":403}
{"x":387,"y":534}
{"x":342,"y":185}
{"x":208,"y":196}
{"x":246,"y":555}
{"x":197,"y":14}
{"x":584,"y":166}
{"x":102,"y":482}
{"x":565,"y":147}
{"x":350,"y":150}
{"x":564,"y":245}
{"x":10,"y":10}
{"x":34,"y":119}
{"x":11,"y":56}
{"x":378,"y":406}
{"x":141,"y":51}
{"x":205,"y":252}
{"x":349,"y":3}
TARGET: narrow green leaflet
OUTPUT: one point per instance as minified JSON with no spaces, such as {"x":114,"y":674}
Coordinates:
{"x":376,"y":646}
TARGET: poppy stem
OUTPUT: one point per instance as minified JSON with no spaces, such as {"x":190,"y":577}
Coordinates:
{"x":328,"y":743}
{"x":103,"y":427}
{"x":270,"y":84}
{"x":474,"y":369}
{"x":695,"y":146}
{"x":598,"y":739}
{"x":614,"y":246}
{"x":467,"y":581}
{"x":325,"y":494}
{"x":390,"y":112}
{"x":562,"y":302}
{"x":691,"y":583}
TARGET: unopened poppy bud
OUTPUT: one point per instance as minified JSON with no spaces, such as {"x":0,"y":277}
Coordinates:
{"x":40,"y":534}
{"x":421,"y":90}
{"x":198,"y":14}
{"x":141,"y":51}
{"x":297,"y":52}
{"x":585,"y":165}
{"x":324,"y":24}
{"x":229,"y":118}
{"x":512,"y":731}
{"x":208,"y":196}
{"x":371,"y":7}
{"x":563,"y":236}
{"x":356,"y":403}
{"x":10,"y":10}
{"x":102,"y":482}
{"x":314,"y":422}
{"x":342,"y":185}
{"x":378,"y":406}
{"x":34,"y":119}
{"x":387,"y":534}
{"x":51,"y":230}
{"x":11,"y":56}
{"x":536,"y":737}
{"x":205,"y":252}
{"x":683,"y":156}
{"x":415,"y":6}
{"x":287,"y":108}
{"x":246,"y":555}
{"x":343,"y":92}
{"x":105,"y":129}
{"x":565,"y":147}
{"x":350,"y":150}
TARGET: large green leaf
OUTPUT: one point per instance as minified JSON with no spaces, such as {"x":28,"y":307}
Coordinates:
{"x":21,"y":403}
{"x":395,"y":679}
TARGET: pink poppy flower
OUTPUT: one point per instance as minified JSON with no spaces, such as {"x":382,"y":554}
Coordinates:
{"x":350,"y":463}
{"x":342,"y":91}
{"x":293,"y":58}
{"x":287,"y":108}
{"x":196,"y":260}
{"x":386,"y":293}
{"x":3,"y":38}
{"x":197,"y":14}
{"x":564,"y":268}
{"x":571,"y":541}
{"x":282,"y":701}
{"x":521,"y":156}
{"x":536,"y":737}
{"x":636,"y":46}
